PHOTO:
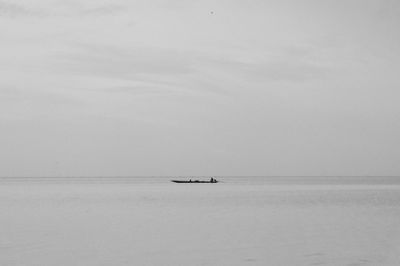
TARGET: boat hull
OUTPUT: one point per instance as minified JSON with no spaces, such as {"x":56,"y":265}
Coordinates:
{"x":193,"y":182}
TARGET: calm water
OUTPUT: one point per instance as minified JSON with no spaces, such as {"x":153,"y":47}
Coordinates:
{"x":293,"y":180}
{"x":240,"y":221}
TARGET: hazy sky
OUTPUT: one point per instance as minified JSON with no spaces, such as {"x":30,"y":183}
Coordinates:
{"x":173,"y":87}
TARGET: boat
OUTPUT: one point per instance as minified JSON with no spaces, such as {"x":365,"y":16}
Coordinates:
{"x":212,"y":181}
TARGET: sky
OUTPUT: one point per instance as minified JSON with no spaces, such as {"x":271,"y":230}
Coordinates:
{"x":173,"y":87}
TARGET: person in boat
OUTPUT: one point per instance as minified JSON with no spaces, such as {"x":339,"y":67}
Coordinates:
{"x":212,"y":180}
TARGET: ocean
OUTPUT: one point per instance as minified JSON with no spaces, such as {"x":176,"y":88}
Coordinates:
{"x":239,"y":221}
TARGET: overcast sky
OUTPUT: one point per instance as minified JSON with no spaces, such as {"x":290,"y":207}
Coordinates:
{"x":173,"y":87}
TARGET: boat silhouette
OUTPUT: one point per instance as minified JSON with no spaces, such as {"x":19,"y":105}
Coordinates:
{"x":211,"y":181}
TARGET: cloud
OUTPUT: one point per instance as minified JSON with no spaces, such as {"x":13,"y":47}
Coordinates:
{"x":12,"y":10}
{"x":103,"y":10}
{"x":27,"y":103}
{"x":115,"y":62}
{"x":58,"y":9}
{"x":294,"y":65}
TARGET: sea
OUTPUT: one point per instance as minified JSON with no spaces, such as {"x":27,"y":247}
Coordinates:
{"x":239,"y":221}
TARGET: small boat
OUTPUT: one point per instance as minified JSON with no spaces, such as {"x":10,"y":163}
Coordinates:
{"x":213,"y":180}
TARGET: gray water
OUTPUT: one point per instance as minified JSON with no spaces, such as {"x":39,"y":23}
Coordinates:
{"x":240,"y":221}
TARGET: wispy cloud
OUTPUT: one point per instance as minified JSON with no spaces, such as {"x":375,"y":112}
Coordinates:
{"x":12,"y":10}
{"x":110,"y":9}
{"x":286,"y":64}
{"x":57,"y":9}
{"x":116,"y":62}
{"x":26,"y":103}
